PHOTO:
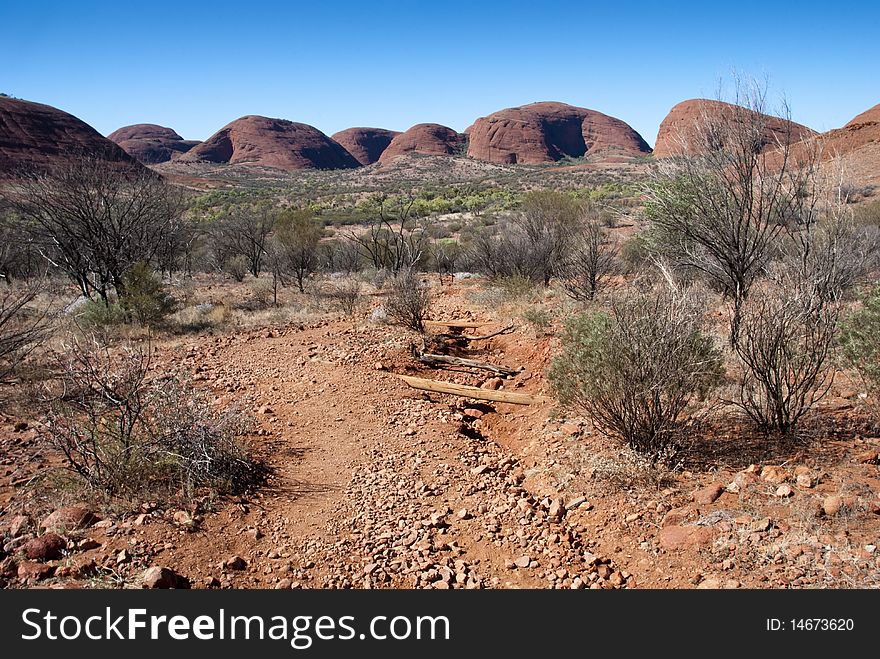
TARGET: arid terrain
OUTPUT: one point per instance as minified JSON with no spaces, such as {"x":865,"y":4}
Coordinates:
{"x":375,"y":484}
{"x":263,"y":274}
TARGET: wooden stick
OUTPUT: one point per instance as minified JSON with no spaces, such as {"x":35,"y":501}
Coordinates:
{"x":455,"y":323}
{"x":473,"y":337}
{"x":433,"y":360}
{"x":471,"y":392}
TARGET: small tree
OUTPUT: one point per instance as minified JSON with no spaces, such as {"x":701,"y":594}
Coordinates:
{"x":295,"y":248}
{"x":735,"y":184}
{"x":394,"y":238}
{"x":408,"y":300}
{"x":637,"y":370}
{"x":95,"y":219}
{"x":445,"y":255}
{"x":243,"y":232}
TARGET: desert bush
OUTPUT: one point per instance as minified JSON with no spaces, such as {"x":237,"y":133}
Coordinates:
{"x":100,"y":315}
{"x":236,"y":267}
{"x":637,"y":370}
{"x":785,"y":343}
{"x":860,"y":340}
{"x":538,"y":317}
{"x":127,"y":436}
{"x":635,"y":252}
{"x":830,"y":257}
{"x":408,"y":300}
{"x":591,"y":258}
{"x":202,"y":317}
{"x":22,"y":326}
{"x":347,"y":294}
{"x":532,"y":243}
{"x":146,"y":300}
{"x":262,"y":294}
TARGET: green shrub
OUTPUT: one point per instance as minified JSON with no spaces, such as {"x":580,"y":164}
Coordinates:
{"x":145,"y":298}
{"x":97,"y":314}
{"x":860,"y":340}
{"x":637,"y":370}
{"x":236,"y":267}
{"x":538,"y":317}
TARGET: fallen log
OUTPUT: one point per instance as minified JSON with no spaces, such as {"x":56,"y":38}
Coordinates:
{"x":434,"y":360}
{"x":440,"y":387}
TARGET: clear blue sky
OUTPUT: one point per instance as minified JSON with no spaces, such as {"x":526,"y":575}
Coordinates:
{"x":195,"y":66}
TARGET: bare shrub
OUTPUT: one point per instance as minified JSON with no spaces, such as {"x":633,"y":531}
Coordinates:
{"x":347,"y":294}
{"x":786,"y":338}
{"x":637,"y":370}
{"x":128,"y":436}
{"x":408,"y":300}
{"x":532,"y":244}
{"x":591,"y":258}
{"x":262,"y":295}
{"x":22,"y":326}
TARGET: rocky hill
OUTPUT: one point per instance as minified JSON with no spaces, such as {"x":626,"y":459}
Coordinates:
{"x":431,"y":139}
{"x":254,"y":140}
{"x":151,"y":144}
{"x":547,"y":132}
{"x":674,"y":135}
{"x":38,"y":137}
{"x":365,"y":144}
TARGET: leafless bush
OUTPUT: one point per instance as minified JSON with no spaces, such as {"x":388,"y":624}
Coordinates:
{"x":592,"y":257}
{"x":394,"y":239}
{"x":408,"y":300}
{"x":830,"y":256}
{"x":785,"y":344}
{"x":22,"y":326}
{"x":533,"y":243}
{"x":128,"y":436}
{"x":242,"y":233}
{"x":347,"y":294}
{"x":637,"y":370}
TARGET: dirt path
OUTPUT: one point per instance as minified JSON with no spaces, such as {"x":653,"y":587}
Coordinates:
{"x":374,"y":483}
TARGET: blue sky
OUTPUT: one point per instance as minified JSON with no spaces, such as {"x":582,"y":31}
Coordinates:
{"x":195,"y":66}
